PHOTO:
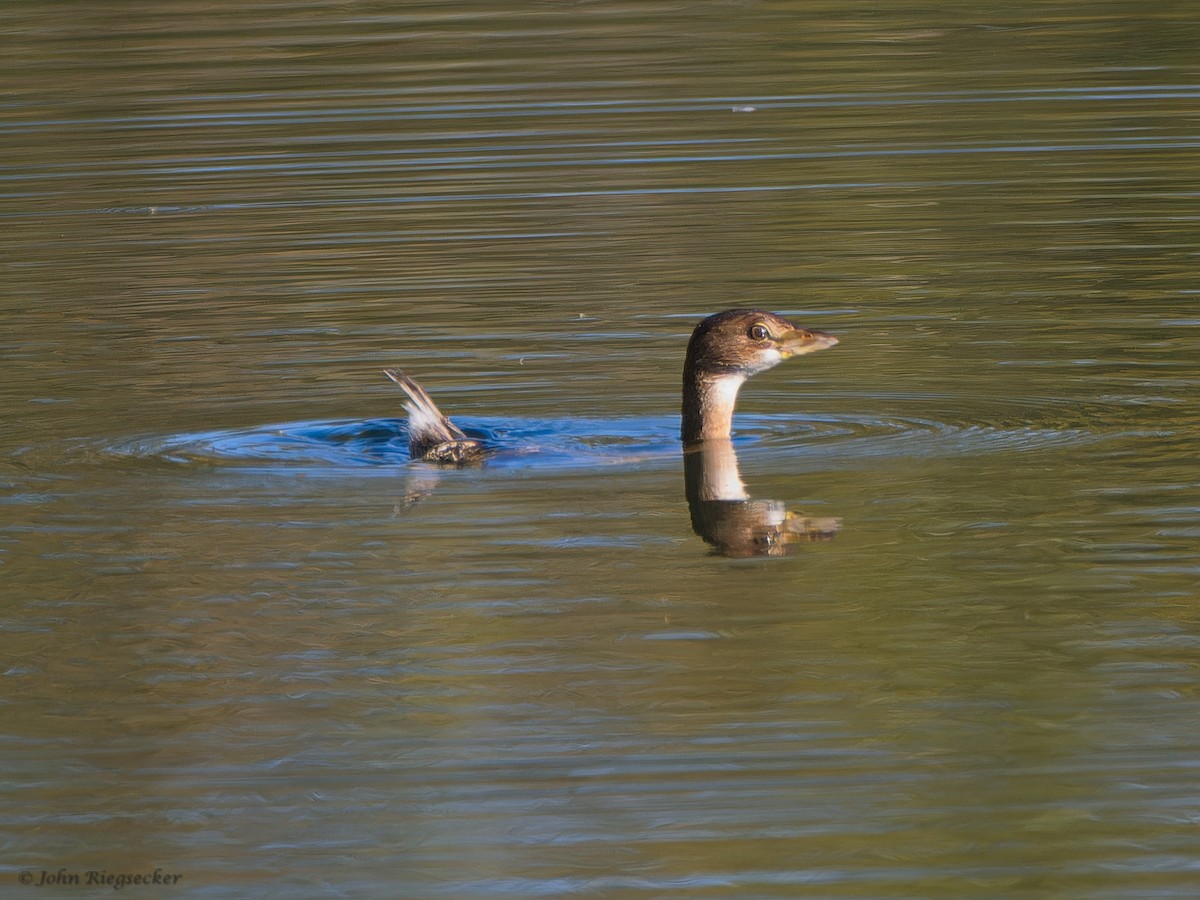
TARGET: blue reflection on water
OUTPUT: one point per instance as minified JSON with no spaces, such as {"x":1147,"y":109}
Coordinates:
{"x":562,"y":443}
{"x":384,"y":442}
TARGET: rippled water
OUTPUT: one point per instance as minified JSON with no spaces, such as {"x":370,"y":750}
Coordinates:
{"x":247,"y":642}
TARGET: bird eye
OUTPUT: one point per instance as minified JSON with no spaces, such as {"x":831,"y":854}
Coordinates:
{"x":758,"y":332}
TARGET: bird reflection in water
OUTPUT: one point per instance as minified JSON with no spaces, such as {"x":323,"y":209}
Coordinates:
{"x":725,"y":349}
{"x":733,"y":523}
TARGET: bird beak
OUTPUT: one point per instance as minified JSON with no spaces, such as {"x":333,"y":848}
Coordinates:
{"x":797,"y":342}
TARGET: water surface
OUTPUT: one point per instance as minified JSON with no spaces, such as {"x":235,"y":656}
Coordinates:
{"x":246,"y":641}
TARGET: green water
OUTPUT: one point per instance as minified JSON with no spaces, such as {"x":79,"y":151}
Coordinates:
{"x":279,"y":671}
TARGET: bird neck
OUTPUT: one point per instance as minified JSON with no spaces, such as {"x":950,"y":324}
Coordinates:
{"x":708,"y":402}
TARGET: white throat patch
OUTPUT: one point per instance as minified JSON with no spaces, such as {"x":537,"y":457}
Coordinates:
{"x":725,"y":389}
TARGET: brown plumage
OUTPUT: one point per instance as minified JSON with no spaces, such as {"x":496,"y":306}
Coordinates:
{"x":724,"y":350}
{"x":431,"y":435}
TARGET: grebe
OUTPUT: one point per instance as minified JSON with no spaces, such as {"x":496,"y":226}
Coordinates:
{"x":724,"y":350}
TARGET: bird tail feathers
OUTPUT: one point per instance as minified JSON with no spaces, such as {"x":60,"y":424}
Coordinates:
{"x":427,"y":425}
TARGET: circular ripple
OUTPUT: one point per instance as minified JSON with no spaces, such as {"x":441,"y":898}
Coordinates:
{"x":384,"y":442}
{"x":594,"y":442}
{"x":857,"y":437}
